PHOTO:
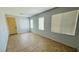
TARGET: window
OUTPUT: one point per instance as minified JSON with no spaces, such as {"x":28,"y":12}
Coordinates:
{"x":31,"y":23}
{"x":56,"y":23}
{"x":41,"y":23}
{"x":64,"y":23}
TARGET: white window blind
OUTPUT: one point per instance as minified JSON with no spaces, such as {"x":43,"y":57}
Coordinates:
{"x":41,"y":23}
{"x":31,"y":23}
{"x":64,"y":23}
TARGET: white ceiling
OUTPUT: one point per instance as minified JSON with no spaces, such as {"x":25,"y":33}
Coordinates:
{"x":24,"y":11}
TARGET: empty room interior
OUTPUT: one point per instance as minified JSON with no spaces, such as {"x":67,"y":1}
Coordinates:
{"x":39,"y":29}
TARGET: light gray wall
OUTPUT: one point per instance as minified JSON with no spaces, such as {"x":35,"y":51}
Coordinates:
{"x":3,"y":32}
{"x":19,"y":21}
{"x":72,"y":41}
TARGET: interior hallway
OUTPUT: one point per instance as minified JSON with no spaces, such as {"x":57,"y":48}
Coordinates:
{"x":30,"y":42}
